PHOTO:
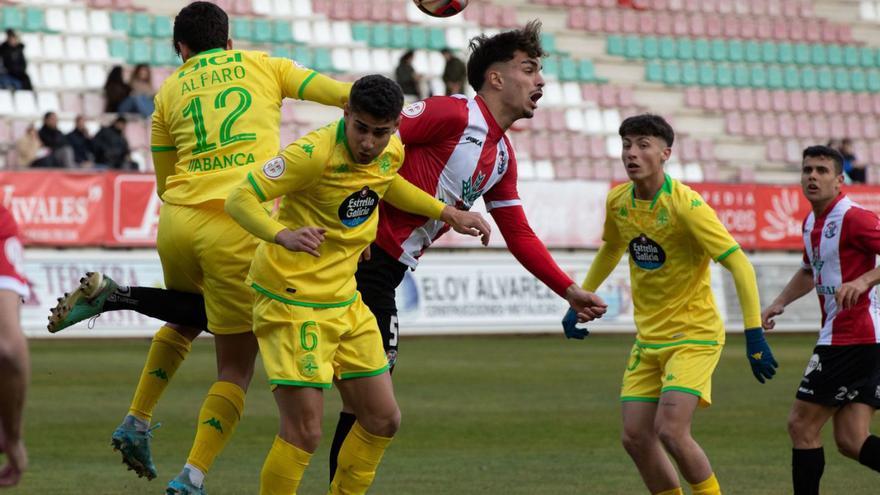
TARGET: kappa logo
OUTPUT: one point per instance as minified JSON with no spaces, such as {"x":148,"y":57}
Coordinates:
{"x":274,"y":168}
{"x":830,"y":229}
{"x":413,"y":110}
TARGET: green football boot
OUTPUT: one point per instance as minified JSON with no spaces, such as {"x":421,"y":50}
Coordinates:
{"x":134,"y":446}
{"x":182,"y":485}
{"x":87,"y":301}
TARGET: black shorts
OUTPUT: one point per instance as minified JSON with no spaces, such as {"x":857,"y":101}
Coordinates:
{"x":838,"y":375}
{"x":377,"y":280}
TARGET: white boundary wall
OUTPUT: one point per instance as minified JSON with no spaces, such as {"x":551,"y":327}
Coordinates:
{"x":452,"y":292}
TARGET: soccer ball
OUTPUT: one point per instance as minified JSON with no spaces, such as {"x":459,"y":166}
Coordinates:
{"x":441,"y":8}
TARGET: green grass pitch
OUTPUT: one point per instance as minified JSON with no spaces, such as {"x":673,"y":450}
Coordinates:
{"x":481,"y":415}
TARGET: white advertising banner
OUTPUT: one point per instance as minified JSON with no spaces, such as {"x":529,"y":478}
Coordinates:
{"x":452,"y":292}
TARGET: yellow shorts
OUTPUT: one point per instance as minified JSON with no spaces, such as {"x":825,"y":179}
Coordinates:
{"x":203,"y":250}
{"x":683,"y":367}
{"x":307,"y":346}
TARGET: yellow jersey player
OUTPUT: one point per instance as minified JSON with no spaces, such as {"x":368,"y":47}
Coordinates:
{"x":309,"y":319}
{"x":671,"y":234}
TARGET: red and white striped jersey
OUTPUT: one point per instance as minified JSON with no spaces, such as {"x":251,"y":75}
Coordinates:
{"x":839,"y":246}
{"x":456,"y":151}
{"x":11,"y":258}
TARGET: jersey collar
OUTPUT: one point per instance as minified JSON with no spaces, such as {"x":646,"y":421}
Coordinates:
{"x":341,"y":137}
{"x":665,"y":188}
{"x":494,"y":128}
{"x":832,"y":204}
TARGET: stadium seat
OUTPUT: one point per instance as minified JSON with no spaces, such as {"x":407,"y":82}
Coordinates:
{"x":25,"y":104}
{"x":95,"y":76}
{"x":75,"y":49}
{"x":261,"y":31}
{"x":47,"y":101}
{"x":302,"y":31}
{"x":140,"y":52}
{"x":162,"y":27}
{"x":7,"y":107}
{"x":242,"y":29}
{"x":53,"y":47}
{"x":142,"y":25}
{"x":36,"y":20}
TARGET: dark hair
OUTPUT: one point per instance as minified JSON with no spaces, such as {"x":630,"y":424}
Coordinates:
{"x":47,"y":115}
{"x":407,"y":55}
{"x":647,"y":124}
{"x":10,"y":33}
{"x":376,"y":96}
{"x":486,"y":50}
{"x":820,"y":151}
{"x":201,"y":26}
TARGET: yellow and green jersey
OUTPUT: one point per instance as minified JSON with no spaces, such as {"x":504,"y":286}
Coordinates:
{"x":321,"y":186}
{"x":218,"y":116}
{"x":670,"y":240}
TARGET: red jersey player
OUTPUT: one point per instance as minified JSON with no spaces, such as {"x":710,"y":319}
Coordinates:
{"x":842,"y":379}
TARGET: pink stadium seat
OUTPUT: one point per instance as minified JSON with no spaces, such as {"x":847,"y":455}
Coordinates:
{"x":663,"y":26}
{"x":752,"y":125}
{"x":854,"y":128}
{"x":321,"y":6}
{"x":864,"y":104}
{"x":875,"y":152}
{"x":523,"y":143}
{"x":5,"y":132}
{"x":758,"y":7}
{"x":733,"y":123}
{"x":556,"y":120}
{"x":803,"y":127}
{"x":491,"y":15}
{"x":587,"y":169}
{"x":597,"y":147}
{"x":680,"y":24}
{"x":71,"y":103}
{"x":796,"y":101}
{"x":814,"y":101}
{"x":847,"y":102}
{"x":764,"y":28}
{"x":762,"y":100}
{"x":625,"y":97}
{"x":687,"y":151}
{"x":829,"y":32}
{"x":790,"y":8}
{"x":775,"y":150}
{"x":793,"y":150}
{"x":769,"y":124}
{"x":748,"y":29}
{"x":796,"y":31}
{"x":590,"y":92}
{"x":93,"y":105}
{"x":564,"y":169}
{"x":830,"y":102}
{"x":539,"y":121}
{"x":629,"y":22}
{"x":837,"y":124}
{"x":731,"y":26}
{"x":820,"y":127}
{"x":540,"y":147}
{"x":812,"y":30}
{"x":693,"y":96}
{"x":876,"y":103}
{"x":745,"y":99}
{"x":647,"y":23}
{"x":595,"y":20}
{"x":611,"y":23}
{"x":706,"y":150}
{"x":560,"y":146}
{"x":580,"y":146}
{"x":287,"y":112}
{"x":747,"y":174}
{"x":340,"y":10}
{"x":697,"y":25}
{"x":780,"y":29}
{"x":779,"y":101}
{"x":380,"y":11}
{"x":608,"y":3}
{"x":243,"y":7}
{"x":508,"y":17}
{"x":869,"y":129}
{"x":711,"y":99}
{"x":714,"y":26}
{"x":577,"y":19}
{"x":786,"y":125}
{"x":360,"y":11}
{"x":608,"y":95}
{"x":136,"y":134}
{"x":844,"y":34}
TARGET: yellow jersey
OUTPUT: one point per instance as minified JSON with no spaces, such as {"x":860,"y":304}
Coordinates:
{"x":321,"y":186}
{"x":218,"y":116}
{"x":670,"y":240}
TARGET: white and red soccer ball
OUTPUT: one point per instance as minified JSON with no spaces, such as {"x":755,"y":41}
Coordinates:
{"x":441,"y":8}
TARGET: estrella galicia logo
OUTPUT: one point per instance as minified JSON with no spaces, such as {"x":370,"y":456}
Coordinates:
{"x":830,"y":229}
{"x":358,"y":207}
{"x":646,"y":253}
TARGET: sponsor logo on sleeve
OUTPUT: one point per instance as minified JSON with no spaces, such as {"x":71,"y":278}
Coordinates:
{"x":274,"y":168}
{"x":413,"y":110}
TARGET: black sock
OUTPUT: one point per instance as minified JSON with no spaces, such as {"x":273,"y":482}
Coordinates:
{"x":807,"y":466}
{"x":183,"y":308}
{"x":346,"y":421}
{"x":869,"y":455}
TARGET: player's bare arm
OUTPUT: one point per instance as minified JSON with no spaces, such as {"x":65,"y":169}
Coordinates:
{"x":467,"y":222}
{"x":848,"y":293}
{"x":587,"y":305}
{"x":801,"y":283}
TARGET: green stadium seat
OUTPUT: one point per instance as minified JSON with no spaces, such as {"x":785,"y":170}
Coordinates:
{"x":719,"y":50}
{"x":360,"y":32}
{"x":120,"y":21}
{"x":587,"y":71}
{"x":242,"y":29}
{"x":551,"y":66}
{"x":835,"y":54}
{"x":163,"y":54}
{"x":281,"y":51}
{"x":162,"y":27}
{"x":775,"y":79}
{"x":874,"y":81}
{"x":282,"y":32}
{"x":818,"y":55}
{"x":671,"y":73}
{"x":437,"y":38}
{"x":769,"y":53}
{"x":119,"y":48}
{"x":650,"y":47}
{"x":418,"y":37}
{"x":399,"y":36}
{"x":380,"y":36}
{"x":668,"y":48}
{"x":685,"y":49}
{"x":841,"y":80}
{"x":34,"y":19}
{"x":262,"y":31}
{"x":868,"y":57}
{"x":724,"y":75}
{"x":857,"y":80}
{"x":802,"y":54}
{"x":615,"y":46}
{"x":304,"y":56}
{"x":141,"y":25}
{"x":702,"y":50}
{"x":632,"y":47}
{"x":824,"y":79}
{"x":13,"y":18}
{"x":785,"y":53}
{"x":809,"y":79}
{"x":568,"y":69}
{"x":654,"y":71}
{"x":735,"y":51}
{"x":548,"y":42}
{"x":758,"y":76}
{"x":140,"y":53}
{"x":791,"y":78}
{"x":706,"y":74}
{"x":752,"y":51}
{"x":851,"y":56}
{"x":323,"y":60}
{"x":741,"y":78}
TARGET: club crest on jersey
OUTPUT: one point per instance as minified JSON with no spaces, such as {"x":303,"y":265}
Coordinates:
{"x":646,"y":253}
{"x":470,"y":191}
{"x":357,"y":208}
{"x":413,"y":110}
{"x":274,"y":168}
{"x":830,"y":229}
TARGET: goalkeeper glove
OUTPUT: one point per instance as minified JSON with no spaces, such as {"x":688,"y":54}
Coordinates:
{"x":569,"y":326}
{"x":759,"y":354}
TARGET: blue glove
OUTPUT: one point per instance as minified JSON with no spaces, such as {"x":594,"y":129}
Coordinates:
{"x":759,"y":354}
{"x":569,"y":326}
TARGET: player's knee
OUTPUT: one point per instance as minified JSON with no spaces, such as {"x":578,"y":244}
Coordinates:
{"x":799,"y":429}
{"x":189,"y":333}
{"x":304,"y":432}
{"x":670,"y":435}
{"x":384,"y":425}
{"x":635,"y":441}
{"x":848,"y":443}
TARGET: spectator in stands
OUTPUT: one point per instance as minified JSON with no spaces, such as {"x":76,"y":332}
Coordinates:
{"x":61,"y":153}
{"x":140,"y":100}
{"x":454,"y":74}
{"x":7,"y":81}
{"x":12,"y":53}
{"x":854,"y":169}
{"x":111,"y":146}
{"x":30,"y":149}
{"x":116,"y":90}
{"x":407,"y":77}
{"x":81,"y":142}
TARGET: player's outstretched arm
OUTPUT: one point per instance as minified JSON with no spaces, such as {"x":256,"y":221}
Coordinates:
{"x":800,"y":284}
{"x":587,"y":305}
{"x":848,"y":294}
{"x":14,"y":371}
{"x":467,"y":222}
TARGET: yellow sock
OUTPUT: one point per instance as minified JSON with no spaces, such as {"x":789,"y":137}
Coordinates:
{"x":674,"y":491}
{"x":217,"y":420}
{"x":708,"y":487}
{"x":358,"y":458}
{"x":167,"y":351}
{"x":283,"y":468}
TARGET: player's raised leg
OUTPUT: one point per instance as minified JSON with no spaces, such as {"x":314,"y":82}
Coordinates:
{"x":852,"y":434}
